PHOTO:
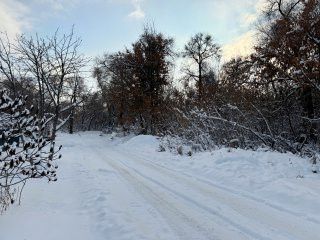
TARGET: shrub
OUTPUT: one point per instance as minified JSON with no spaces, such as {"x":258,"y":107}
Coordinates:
{"x":25,"y":152}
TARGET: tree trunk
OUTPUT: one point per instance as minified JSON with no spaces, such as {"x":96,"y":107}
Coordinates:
{"x":71,"y":122}
{"x":200,"y":82}
{"x":308,"y":108}
{"x":55,"y":123}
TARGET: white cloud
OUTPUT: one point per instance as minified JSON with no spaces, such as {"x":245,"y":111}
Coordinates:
{"x":17,"y":16}
{"x":241,"y":46}
{"x":261,"y":5}
{"x":13,"y":17}
{"x":248,"y":19}
{"x":137,"y":13}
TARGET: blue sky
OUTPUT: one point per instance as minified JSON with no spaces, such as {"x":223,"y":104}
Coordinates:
{"x":109,"y":25}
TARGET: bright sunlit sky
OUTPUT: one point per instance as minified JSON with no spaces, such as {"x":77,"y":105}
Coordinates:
{"x":110,"y":25}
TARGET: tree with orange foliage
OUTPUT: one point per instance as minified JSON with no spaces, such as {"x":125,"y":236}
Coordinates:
{"x":289,"y":53}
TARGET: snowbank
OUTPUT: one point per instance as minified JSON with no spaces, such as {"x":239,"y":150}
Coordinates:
{"x":282,"y":179}
{"x":142,"y":143}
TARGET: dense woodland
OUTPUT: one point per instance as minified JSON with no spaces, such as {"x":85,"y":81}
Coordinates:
{"x":268,"y":99}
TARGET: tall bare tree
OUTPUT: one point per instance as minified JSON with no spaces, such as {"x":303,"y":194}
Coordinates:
{"x":9,"y":66}
{"x":201,"y":50}
{"x":52,"y":62}
{"x":33,"y":52}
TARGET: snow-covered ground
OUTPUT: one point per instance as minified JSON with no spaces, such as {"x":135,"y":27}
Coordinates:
{"x":125,"y":189}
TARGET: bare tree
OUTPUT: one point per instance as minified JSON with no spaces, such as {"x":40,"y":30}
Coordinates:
{"x":8,"y":65}
{"x":52,"y":61}
{"x":33,"y":53}
{"x":75,"y":88}
{"x":65,"y":62}
{"x":201,"y":49}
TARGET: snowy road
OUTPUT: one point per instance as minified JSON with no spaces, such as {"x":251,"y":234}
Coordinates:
{"x":108,"y":191}
{"x":195,"y":209}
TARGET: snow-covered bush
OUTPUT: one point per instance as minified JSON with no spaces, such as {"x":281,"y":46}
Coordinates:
{"x":25,"y":151}
{"x":234,"y":127}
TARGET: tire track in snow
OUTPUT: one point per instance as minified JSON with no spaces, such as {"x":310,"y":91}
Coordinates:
{"x":269,"y":219}
{"x":110,"y":221}
{"x":175,"y":208}
{"x":184,"y":226}
{"x":230,"y":191}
